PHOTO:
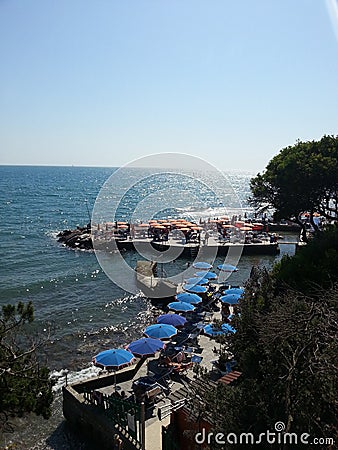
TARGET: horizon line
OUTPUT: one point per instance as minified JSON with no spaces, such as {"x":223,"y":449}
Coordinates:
{"x":110,"y":167}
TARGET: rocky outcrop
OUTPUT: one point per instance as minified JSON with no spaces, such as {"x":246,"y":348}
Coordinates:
{"x":80,"y":238}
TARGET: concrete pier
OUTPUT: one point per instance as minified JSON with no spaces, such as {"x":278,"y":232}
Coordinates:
{"x":188,"y":250}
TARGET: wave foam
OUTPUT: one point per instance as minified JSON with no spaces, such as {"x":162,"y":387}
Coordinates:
{"x":59,"y":376}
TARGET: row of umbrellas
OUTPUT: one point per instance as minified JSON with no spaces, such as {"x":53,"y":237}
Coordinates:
{"x":196,"y":284}
{"x":206,"y":266}
{"x":167,"y":324}
{"x":181,"y":224}
{"x":118,"y":358}
{"x":115,"y":359}
{"x":185,"y":302}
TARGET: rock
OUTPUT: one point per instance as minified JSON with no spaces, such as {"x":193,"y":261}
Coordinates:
{"x":78,"y":238}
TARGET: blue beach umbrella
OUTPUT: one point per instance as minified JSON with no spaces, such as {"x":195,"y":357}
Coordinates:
{"x":228,"y":328}
{"x":227,"y":268}
{"x":189,"y":297}
{"x":202,"y":265}
{"x":207,"y":275}
{"x":145,"y":347}
{"x":195,"y":288}
{"x":211,"y":331}
{"x":113,"y":359}
{"x":160,"y":331}
{"x":238,"y":291}
{"x":181,"y":306}
{"x":172,"y":319}
{"x":231,"y":299}
{"x":197,"y":280}
{"x":225,"y":329}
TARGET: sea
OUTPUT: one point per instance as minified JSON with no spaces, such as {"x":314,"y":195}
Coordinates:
{"x":78,"y":308}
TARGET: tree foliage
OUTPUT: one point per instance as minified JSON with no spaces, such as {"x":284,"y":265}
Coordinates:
{"x":302,"y":177}
{"x":25,"y":386}
{"x":286,"y":349}
{"x":314,"y":266}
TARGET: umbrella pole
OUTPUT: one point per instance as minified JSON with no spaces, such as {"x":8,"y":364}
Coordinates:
{"x":143,"y":426}
{"x":115,"y":379}
{"x":139,"y":364}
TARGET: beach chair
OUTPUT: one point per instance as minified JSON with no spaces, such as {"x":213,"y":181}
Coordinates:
{"x":196,"y":359}
{"x":152,"y":395}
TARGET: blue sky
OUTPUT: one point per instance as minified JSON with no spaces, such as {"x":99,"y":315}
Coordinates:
{"x":104,"y":82}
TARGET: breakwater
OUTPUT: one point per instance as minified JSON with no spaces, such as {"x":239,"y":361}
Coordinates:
{"x":185,"y":240}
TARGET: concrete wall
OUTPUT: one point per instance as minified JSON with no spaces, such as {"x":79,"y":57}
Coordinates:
{"x":90,"y":422}
{"x":107,"y":380}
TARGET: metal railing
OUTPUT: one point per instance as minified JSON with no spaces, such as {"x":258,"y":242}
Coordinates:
{"x":128,"y":415}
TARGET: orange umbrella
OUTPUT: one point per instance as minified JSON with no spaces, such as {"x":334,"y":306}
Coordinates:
{"x":245,"y":229}
{"x":228,"y":226}
{"x":121,"y":223}
{"x":239,"y":224}
{"x":196,"y":228}
{"x":122,"y":226}
{"x":143,"y":225}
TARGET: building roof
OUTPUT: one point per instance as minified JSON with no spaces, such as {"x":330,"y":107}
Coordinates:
{"x":229,"y":377}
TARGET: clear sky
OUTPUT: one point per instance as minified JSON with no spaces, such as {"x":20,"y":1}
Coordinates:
{"x":104,"y":82}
